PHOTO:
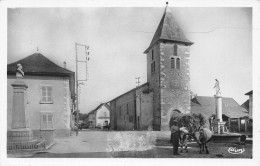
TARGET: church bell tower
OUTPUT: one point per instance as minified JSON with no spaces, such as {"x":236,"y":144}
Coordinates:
{"x":168,"y":71}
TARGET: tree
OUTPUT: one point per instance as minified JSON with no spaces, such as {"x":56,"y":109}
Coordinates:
{"x":192,"y":121}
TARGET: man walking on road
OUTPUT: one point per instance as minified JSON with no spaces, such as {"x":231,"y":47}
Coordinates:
{"x":175,"y":138}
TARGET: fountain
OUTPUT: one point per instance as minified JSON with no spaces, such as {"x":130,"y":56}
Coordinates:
{"x":221,"y":134}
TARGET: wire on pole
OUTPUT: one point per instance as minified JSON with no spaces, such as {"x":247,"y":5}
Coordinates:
{"x":79,"y":82}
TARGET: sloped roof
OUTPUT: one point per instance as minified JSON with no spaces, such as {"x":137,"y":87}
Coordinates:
{"x":246,"y":105}
{"x":136,"y":88}
{"x":206,"y":106}
{"x":98,"y":107}
{"x":249,"y":93}
{"x":84,"y":116}
{"x":37,"y":64}
{"x":168,"y":30}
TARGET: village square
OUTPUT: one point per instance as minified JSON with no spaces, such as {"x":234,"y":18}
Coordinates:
{"x":158,"y":117}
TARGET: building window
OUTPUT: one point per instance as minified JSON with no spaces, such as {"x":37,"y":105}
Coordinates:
{"x":46,"y":121}
{"x":178,"y":63}
{"x":172,"y":63}
{"x":153,"y":67}
{"x":175,"y":50}
{"x":46,"y":94}
{"x":152,"y":64}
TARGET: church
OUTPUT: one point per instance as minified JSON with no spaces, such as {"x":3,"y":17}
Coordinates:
{"x":167,"y":90}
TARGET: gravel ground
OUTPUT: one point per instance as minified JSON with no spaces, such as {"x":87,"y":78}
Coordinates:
{"x":128,"y":144}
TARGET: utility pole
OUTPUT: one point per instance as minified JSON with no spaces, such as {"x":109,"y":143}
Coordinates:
{"x":140,"y":101}
{"x":79,"y":82}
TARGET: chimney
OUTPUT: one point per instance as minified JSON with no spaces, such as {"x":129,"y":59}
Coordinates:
{"x":64,"y":65}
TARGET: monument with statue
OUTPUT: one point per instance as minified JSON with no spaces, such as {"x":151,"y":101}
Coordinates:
{"x":218,"y":123}
{"x":221,"y":134}
{"x":20,"y":136}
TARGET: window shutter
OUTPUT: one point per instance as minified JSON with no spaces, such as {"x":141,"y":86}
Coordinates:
{"x":178,"y":63}
{"x":172,"y":63}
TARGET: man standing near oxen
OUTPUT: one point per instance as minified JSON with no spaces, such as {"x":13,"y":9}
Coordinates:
{"x":175,"y":131}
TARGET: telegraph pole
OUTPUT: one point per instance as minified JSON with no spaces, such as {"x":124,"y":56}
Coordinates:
{"x":77,"y":81}
{"x":140,"y":100}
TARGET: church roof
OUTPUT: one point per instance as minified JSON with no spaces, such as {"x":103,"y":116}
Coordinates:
{"x":206,"y":106}
{"x":168,"y":30}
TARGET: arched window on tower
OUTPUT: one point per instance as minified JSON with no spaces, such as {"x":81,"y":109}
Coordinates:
{"x":175,"y":50}
{"x":172,"y":63}
{"x":178,"y":63}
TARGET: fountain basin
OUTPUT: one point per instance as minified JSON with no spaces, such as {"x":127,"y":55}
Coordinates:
{"x":227,"y":137}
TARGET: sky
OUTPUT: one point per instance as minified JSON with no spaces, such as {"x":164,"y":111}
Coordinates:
{"x":118,"y":36}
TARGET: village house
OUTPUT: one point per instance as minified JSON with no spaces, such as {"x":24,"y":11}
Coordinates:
{"x":99,"y":117}
{"x":233,"y":114}
{"x":248,"y":105}
{"x":127,"y":108}
{"x":151,"y":105}
{"x":48,"y":102}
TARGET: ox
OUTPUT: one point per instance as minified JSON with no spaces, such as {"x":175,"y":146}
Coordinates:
{"x":203,"y":136}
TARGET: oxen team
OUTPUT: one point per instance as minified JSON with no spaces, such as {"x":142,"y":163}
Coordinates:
{"x":202,"y":137}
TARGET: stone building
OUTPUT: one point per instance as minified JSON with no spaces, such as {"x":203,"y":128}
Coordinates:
{"x":232,"y":113}
{"x":150,"y":106}
{"x":98,"y":117}
{"x":132,"y":110}
{"x":48,"y":102}
{"x":168,"y":86}
{"x":168,"y":71}
{"x":248,"y":105}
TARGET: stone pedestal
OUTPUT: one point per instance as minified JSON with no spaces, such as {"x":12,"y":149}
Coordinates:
{"x":218,"y":127}
{"x":218,"y":107}
{"x":21,"y":136}
{"x":218,"y":124}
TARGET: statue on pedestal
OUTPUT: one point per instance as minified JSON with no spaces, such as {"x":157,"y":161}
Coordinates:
{"x":19,"y":71}
{"x":217,"y":87}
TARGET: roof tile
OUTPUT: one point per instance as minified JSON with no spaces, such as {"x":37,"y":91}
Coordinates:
{"x":168,"y":30}
{"x":206,"y":106}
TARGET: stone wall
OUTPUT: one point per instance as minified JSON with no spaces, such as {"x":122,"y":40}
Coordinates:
{"x":171,"y":87}
{"x":125,"y":119}
{"x":251,"y":105}
{"x":112,"y":115}
{"x":145,"y":112}
{"x":154,"y":82}
{"x":174,"y":83}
